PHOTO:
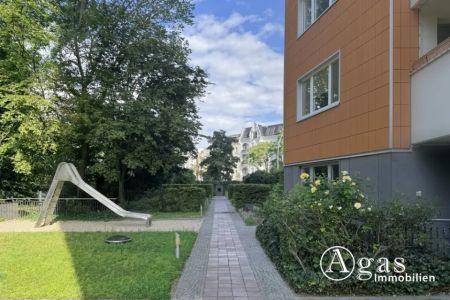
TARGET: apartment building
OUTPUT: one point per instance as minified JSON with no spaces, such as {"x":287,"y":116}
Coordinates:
{"x":367,"y":90}
{"x":250,"y":136}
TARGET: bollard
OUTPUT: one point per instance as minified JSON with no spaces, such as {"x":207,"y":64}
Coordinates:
{"x":201,"y":210}
{"x":177,"y":245}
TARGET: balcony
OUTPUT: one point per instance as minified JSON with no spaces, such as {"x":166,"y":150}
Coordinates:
{"x":430,"y":102}
{"x":434,"y":23}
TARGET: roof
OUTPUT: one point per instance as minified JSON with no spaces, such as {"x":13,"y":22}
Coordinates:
{"x":269,"y":130}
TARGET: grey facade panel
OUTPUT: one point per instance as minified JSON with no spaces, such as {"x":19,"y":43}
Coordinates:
{"x":398,"y":175}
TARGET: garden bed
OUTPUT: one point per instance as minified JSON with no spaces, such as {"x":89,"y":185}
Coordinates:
{"x":82,"y":265}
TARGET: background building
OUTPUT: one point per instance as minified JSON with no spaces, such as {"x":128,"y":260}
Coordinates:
{"x":249,"y":137}
{"x":193,"y":163}
{"x":367,"y":90}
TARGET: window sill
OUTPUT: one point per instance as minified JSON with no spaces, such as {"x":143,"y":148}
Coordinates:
{"x":303,"y":118}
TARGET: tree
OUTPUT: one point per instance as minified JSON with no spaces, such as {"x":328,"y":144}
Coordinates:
{"x":220,"y":162}
{"x":126,"y":88}
{"x":28,"y":123}
{"x":260,"y":155}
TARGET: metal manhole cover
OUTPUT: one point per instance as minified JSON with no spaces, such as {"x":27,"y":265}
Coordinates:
{"x":118,"y":239}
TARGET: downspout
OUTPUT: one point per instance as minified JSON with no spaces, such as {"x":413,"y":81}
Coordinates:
{"x":391,"y":73}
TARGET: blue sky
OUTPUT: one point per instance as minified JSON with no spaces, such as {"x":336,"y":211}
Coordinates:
{"x":272,"y":10}
{"x":240,"y":45}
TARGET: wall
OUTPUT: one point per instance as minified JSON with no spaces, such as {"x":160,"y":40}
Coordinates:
{"x":429,"y":14}
{"x":360,"y":30}
{"x":430,"y":92}
{"x":360,"y":123}
{"x":398,"y":175}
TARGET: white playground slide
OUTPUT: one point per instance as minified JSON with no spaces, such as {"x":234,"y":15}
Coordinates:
{"x":68,"y":172}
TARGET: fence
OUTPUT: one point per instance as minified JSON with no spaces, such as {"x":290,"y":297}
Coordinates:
{"x":439,"y":233}
{"x":29,"y":208}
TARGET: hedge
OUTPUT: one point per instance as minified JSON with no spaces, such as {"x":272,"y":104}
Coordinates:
{"x":172,"y":198}
{"x":263,"y":177}
{"x":209,"y":189}
{"x":241,"y":194}
{"x":183,"y":199}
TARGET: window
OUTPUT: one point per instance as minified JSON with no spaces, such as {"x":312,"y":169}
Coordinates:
{"x":331,"y":171}
{"x":443,"y":31}
{"x":319,"y":89}
{"x":309,"y":11}
{"x":321,"y":171}
{"x":335,"y":171}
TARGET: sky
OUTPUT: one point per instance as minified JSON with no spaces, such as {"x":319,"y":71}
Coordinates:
{"x":239,"y":43}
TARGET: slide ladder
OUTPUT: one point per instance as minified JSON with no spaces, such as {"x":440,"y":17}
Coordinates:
{"x":68,"y":172}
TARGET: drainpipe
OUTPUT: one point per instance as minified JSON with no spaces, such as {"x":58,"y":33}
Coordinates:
{"x":391,"y":73}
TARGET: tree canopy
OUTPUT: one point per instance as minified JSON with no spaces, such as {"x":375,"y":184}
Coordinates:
{"x":260,"y":155}
{"x":28,"y":123}
{"x":220,"y":163}
{"x":106,"y":85}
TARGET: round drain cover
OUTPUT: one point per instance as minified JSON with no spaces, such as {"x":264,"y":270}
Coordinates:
{"x":118,"y":239}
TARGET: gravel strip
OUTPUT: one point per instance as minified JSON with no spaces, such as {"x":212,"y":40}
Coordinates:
{"x":192,"y":281}
{"x":92,"y":226}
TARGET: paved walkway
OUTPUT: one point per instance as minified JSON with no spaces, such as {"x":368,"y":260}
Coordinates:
{"x":224,"y":264}
{"x":227,"y":263}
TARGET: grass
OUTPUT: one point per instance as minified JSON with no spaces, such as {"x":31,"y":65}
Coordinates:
{"x":250,"y":218}
{"x":108,"y":216}
{"x":175,"y":215}
{"x":82,"y":265}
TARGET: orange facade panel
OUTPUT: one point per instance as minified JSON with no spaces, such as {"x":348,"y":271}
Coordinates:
{"x":359,"y":31}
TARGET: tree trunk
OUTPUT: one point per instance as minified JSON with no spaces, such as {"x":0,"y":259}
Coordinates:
{"x":123,"y":172}
{"x":84,"y":160}
{"x":83,"y":164}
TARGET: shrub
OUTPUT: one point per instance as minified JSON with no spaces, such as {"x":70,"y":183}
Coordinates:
{"x":172,"y":198}
{"x":241,"y":194}
{"x":263,"y":177}
{"x":300,"y":225}
{"x":183,"y":199}
{"x":209,"y":188}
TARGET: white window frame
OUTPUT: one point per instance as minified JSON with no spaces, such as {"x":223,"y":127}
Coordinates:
{"x":300,"y":15}
{"x":312,"y":174}
{"x":310,"y":76}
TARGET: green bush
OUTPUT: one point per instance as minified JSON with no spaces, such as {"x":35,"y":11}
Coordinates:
{"x":300,"y":225}
{"x":241,"y":194}
{"x":209,"y":188}
{"x":263,"y":177}
{"x":183,"y":199}
{"x":172,"y":198}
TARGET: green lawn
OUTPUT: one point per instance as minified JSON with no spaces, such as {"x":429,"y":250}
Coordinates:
{"x":109,"y":215}
{"x":82,"y":265}
{"x":174,"y":215}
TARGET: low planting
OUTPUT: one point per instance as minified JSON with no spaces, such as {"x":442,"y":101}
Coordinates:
{"x":60,"y":265}
{"x":300,"y":225}
{"x":173,"y":198}
{"x":248,"y":194}
{"x":208,"y":188}
{"x":264,"y":177}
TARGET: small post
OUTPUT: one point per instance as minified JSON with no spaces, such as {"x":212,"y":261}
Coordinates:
{"x":40,"y":201}
{"x":201,"y":210}
{"x":177,"y":245}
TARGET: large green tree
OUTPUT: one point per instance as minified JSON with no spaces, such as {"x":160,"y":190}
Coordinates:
{"x":28,"y":122}
{"x":125,"y":86}
{"x":220,"y":162}
{"x":261,"y":154}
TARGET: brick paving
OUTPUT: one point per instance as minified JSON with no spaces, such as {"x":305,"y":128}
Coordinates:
{"x":227,"y":262}
{"x":229,"y":274}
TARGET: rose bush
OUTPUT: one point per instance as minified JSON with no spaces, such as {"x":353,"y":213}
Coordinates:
{"x":300,"y":225}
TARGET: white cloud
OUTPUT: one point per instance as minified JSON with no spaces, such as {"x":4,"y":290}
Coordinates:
{"x":247,"y":75}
